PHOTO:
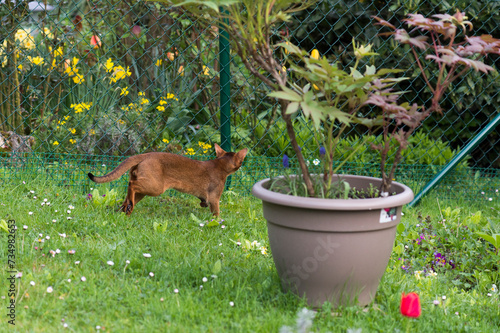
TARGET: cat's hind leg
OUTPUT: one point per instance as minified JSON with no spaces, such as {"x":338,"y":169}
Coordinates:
{"x":203,"y":202}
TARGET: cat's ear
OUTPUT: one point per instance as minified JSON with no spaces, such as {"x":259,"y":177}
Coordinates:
{"x":242,"y":153}
{"x":218,"y":150}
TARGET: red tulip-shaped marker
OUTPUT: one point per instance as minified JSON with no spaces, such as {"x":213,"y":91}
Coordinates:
{"x":410,"y":305}
{"x":95,"y":41}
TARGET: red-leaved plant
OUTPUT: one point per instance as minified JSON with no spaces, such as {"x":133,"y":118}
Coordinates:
{"x":453,"y":56}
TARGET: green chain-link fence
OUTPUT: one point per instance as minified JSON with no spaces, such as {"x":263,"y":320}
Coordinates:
{"x":84,"y":84}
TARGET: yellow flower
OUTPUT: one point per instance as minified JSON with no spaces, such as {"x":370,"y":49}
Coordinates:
{"x":120,"y":73}
{"x":58,"y":52}
{"x":121,"y":121}
{"x":206,"y":70}
{"x":181,"y":70}
{"x":141,"y":93}
{"x":20,"y":67}
{"x":53,"y":64}
{"x":144,"y":101}
{"x":48,"y":33}
{"x":20,"y":35}
{"x":109,"y":65}
{"x":315,"y":54}
{"x":171,"y":96}
{"x":55,"y":143}
{"x":190,"y":151}
{"x":91,"y":132}
{"x":315,"y":87}
{"x":72,"y":130}
{"x":72,"y":141}
{"x":170,"y":56}
{"x":124,"y":91}
{"x":71,"y":71}
{"x":158,"y":62}
{"x":78,"y":78}
{"x":36,"y":60}
{"x":80,"y":107}
{"x":160,"y":108}
{"x":165,"y":140}
{"x":29,"y":43}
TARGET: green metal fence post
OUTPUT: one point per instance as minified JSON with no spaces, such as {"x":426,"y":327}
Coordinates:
{"x":225,"y":89}
{"x":225,"y":92}
{"x":454,"y":162}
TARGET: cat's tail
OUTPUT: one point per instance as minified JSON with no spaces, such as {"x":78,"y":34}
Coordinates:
{"x":120,"y":169}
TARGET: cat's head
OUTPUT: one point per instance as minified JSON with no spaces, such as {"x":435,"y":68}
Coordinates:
{"x":233,"y":160}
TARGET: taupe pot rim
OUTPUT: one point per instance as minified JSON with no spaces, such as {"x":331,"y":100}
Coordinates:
{"x":403,"y":196}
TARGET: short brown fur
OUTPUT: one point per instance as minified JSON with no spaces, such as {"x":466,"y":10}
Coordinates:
{"x":154,"y":173}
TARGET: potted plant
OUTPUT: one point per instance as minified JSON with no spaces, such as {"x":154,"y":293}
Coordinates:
{"x":333,"y":239}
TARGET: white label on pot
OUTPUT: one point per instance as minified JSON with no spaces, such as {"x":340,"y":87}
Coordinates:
{"x":388,"y":214}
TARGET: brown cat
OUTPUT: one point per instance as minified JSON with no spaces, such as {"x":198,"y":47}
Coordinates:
{"x":154,"y":173}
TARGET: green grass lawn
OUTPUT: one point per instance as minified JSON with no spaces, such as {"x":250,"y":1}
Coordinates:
{"x":170,"y":268}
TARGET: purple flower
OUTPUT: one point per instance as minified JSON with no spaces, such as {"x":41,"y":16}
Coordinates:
{"x":286,"y":162}
{"x":89,"y":196}
{"x":322,"y":151}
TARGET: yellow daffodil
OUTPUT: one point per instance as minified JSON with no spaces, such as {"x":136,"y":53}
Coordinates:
{"x":78,"y":78}
{"x":158,"y":62}
{"x":109,"y":65}
{"x":36,"y":60}
{"x":58,"y":52}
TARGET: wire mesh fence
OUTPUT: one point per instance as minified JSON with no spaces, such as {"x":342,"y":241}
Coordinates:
{"x":84,"y":84}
